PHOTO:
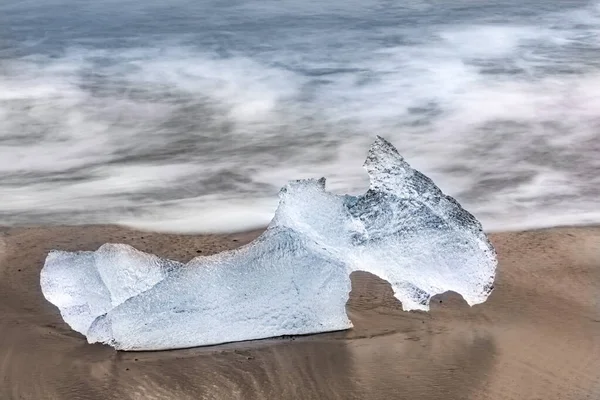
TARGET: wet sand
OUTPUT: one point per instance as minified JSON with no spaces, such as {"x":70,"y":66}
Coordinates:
{"x":537,"y":336}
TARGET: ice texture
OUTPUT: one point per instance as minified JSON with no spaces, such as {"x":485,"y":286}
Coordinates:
{"x":293,"y":279}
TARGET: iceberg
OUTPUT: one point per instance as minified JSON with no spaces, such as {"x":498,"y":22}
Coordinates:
{"x":294,"y":279}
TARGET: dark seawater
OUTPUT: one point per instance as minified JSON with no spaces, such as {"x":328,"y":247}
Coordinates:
{"x":190,"y":115}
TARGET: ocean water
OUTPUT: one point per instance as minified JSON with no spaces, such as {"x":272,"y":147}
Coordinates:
{"x":190,"y":115}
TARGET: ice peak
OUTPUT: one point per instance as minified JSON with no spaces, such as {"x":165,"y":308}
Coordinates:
{"x":385,"y":166}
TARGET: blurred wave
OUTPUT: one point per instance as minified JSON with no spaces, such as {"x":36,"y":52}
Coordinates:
{"x":190,"y":117}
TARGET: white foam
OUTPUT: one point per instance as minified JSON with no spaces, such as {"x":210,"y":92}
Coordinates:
{"x":259,"y":116}
{"x":202,"y":216}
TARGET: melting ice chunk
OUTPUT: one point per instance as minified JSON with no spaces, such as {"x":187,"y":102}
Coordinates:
{"x":293,"y":279}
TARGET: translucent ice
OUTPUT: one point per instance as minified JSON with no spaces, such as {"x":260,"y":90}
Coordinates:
{"x":293,"y":279}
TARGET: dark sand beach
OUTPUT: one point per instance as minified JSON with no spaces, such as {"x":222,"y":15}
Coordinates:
{"x":537,"y":336}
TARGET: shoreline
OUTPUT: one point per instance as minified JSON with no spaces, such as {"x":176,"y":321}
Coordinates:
{"x":257,"y":229}
{"x":535,"y":337}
